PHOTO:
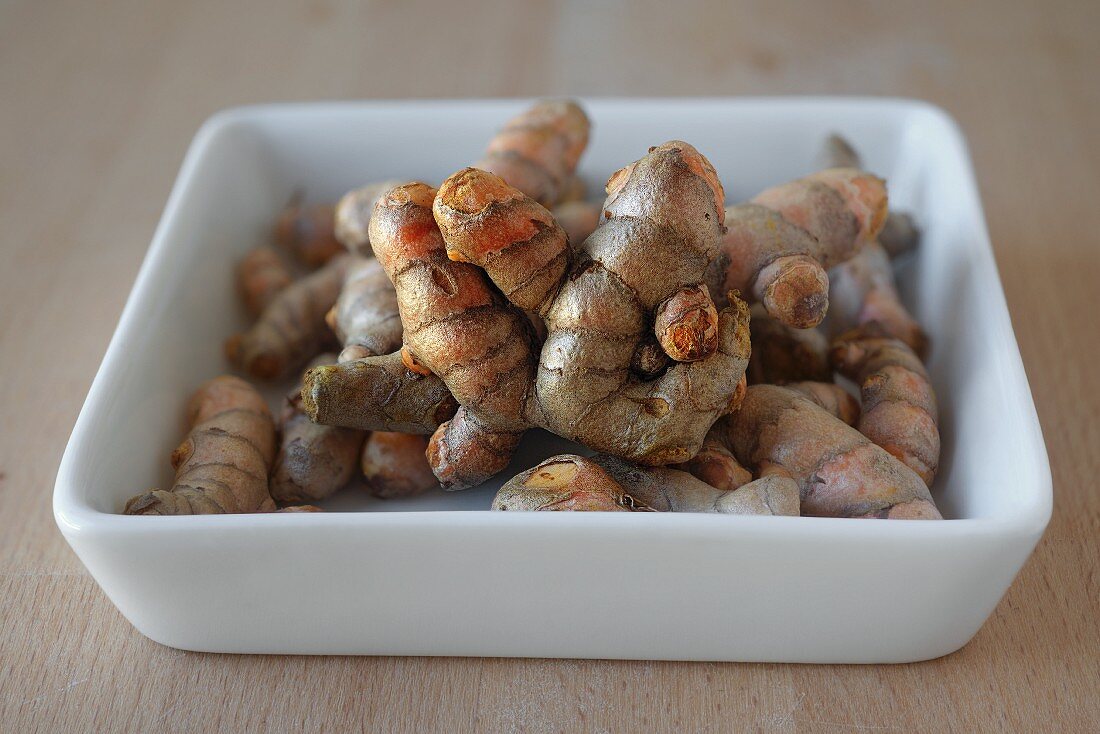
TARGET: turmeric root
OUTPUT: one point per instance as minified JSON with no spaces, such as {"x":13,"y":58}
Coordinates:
{"x":899,"y":232}
{"x":538,"y":150}
{"x":533,"y":158}
{"x":663,"y":217}
{"x":862,"y":290}
{"x":484,"y":220}
{"x":716,"y":464}
{"x":365,"y":318}
{"x":899,"y":405}
{"x":606,"y":483}
{"x":781,"y":244}
{"x":459,"y":328}
{"x":222,"y":466}
{"x":314,"y":460}
{"x":650,"y":249}
{"x":839,"y":471}
{"x":261,"y":275}
{"x":832,"y":397}
{"x":292,"y":328}
{"x":669,"y":490}
{"x":307,"y":231}
{"x":565,"y":483}
{"x":376,"y":394}
{"x":782,"y":354}
{"x":353,"y":216}
{"x":578,"y":218}
{"x":395,"y":465}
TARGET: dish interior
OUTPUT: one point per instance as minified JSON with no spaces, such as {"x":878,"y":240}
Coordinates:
{"x":247,"y":163}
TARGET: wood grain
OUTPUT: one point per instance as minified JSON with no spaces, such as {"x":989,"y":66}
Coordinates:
{"x":98,"y":102}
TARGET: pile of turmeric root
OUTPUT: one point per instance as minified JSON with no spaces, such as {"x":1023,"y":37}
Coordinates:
{"x":690,"y":346}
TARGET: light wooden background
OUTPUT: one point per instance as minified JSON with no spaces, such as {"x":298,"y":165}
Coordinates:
{"x":98,"y":102}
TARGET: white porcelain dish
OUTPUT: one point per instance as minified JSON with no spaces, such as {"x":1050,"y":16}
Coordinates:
{"x":441,"y":575}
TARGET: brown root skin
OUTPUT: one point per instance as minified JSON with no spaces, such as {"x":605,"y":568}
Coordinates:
{"x":782,"y":354}
{"x":781,"y":244}
{"x":314,"y":460}
{"x":863,"y":290}
{"x":394,"y":465}
{"x":464,"y":452}
{"x":538,"y":150}
{"x":839,"y":471}
{"x":482,"y":347}
{"x":353,"y":216}
{"x":292,"y":329}
{"x":376,"y":394}
{"x":825,"y":204}
{"x":300,"y":508}
{"x":513,"y":238}
{"x":647,"y":249}
{"x":307,"y":231}
{"x":458,"y":327}
{"x":435,"y":294}
{"x":564,"y":483}
{"x":222,"y":466}
{"x":769,"y":495}
{"x":716,"y":465}
{"x":738,"y":395}
{"x":649,"y":359}
{"x":261,"y":276}
{"x":606,"y":483}
{"x":899,"y":233}
{"x":830,"y":396}
{"x":899,"y":405}
{"x":774,"y":492}
{"x":579,"y":219}
{"x":365,"y":318}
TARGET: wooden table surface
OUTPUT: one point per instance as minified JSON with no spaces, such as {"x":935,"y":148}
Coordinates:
{"x":98,"y":102}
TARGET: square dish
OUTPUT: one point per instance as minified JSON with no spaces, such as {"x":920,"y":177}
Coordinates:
{"x":440,"y":575}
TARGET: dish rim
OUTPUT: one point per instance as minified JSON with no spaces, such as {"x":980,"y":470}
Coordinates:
{"x":75,"y":515}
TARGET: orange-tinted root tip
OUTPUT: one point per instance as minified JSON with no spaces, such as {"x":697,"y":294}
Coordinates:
{"x":795,"y":291}
{"x":686,"y":325}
